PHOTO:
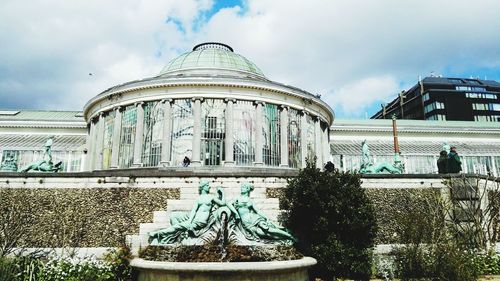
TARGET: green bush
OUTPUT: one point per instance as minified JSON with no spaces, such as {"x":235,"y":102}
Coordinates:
{"x":114,"y":267}
{"x":8,"y":269}
{"x":119,"y":261}
{"x":431,"y":248}
{"x":333,"y":220}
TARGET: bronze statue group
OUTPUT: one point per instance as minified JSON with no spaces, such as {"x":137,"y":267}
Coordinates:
{"x":246,"y":223}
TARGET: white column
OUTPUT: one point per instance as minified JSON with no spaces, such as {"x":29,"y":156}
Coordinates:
{"x":167,"y":131}
{"x":83,"y":161}
{"x":196,"y":161}
{"x":117,"y":127}
{"x":342,"y":159}
{"x":326,"y":144}
{"x":303,"y":138}
{"x":465,"y":168}
{"x":258,"y":134}
{"x":139,"y":132}
{"x":229,"y":140}
{"x":493,"y":167}
{"x":284,"y":136}
{"x":68,"y":163}
{"x":317,"y":138}
{"x":99,"y":140}
{"x":91,"y":145}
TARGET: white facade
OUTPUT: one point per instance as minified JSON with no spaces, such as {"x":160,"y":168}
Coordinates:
{"x":24,"y":133}
{"x":478,"y":143}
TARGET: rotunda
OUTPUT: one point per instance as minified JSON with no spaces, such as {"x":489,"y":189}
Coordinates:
{"x":213,"y":106}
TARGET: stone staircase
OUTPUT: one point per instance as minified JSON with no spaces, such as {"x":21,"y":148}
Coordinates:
{"x":188,"y":196}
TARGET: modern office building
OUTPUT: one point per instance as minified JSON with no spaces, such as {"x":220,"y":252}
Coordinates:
{"x":452,"y":99}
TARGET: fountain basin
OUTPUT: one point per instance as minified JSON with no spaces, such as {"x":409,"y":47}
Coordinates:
{"x":293,"y":270}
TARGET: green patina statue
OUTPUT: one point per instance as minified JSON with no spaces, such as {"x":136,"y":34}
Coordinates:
{"x":244,"y":224}
{"x":185,"y":225}
{"x":369,"y":167}
{"x":9,"y":164}
{"x":46,"y":164}
{"x":255,"y":225}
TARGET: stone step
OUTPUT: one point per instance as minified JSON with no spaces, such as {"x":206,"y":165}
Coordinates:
{"x":145,"y":228}
{"x":229,"y":194}
{"x":161,"y":217}
{"x":189,"y":203}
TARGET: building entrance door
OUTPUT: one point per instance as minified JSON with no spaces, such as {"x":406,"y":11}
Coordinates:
{"x":212,"y":142}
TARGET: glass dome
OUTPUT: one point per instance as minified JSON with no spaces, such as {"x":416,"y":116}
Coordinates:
{"x":212,"y":56}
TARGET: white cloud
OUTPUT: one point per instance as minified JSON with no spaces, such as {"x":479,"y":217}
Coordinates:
{"x":353,"y":99}
{"x":51,"y":46}
{"x":326,"y":47}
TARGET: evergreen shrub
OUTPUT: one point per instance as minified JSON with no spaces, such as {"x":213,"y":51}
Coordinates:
{"x":334,"y":221}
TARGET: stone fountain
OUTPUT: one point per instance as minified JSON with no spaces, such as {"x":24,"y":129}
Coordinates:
{"x":227,"y":231}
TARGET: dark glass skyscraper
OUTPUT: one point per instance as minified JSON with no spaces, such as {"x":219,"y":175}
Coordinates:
{"x":452,"y":99}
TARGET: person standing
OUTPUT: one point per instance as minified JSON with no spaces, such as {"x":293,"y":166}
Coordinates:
{"x":454,"y":163}
{"x":442,"y":162}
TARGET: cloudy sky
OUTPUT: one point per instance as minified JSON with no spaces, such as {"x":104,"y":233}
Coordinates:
{"x":356,"y":53}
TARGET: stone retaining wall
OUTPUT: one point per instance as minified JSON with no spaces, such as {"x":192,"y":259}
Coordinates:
{"x":100,"y":209}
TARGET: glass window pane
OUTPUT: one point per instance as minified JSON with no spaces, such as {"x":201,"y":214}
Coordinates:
{"x":294,"y":146}
{"x":153,"y":134}
{"x":127,"y":136}
{"x":244,"y":133}
{"x":107,"y":146}
{"x":182,"y":131}
{"x":213,"y":128}
{"x":271,"y":135}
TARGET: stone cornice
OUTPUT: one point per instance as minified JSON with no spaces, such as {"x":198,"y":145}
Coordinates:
{"x":197,"y":82}
{"x":440,"y":130}
{"x":41,"y":124}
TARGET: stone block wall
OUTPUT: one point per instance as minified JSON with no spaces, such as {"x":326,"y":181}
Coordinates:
{"x":100,"y":209}
{"x":85,"y":210}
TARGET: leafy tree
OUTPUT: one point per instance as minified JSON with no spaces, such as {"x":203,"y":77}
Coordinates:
{"x":333,"y":220}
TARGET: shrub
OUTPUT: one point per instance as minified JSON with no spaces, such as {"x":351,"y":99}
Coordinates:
{"x":8,"y":269}
{"x":119,"y":262}
{"x":431,"y":247}
{"x":333,"y":220}
{"x":31,"y":267}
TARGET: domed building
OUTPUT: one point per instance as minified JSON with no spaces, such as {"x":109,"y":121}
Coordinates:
{"x":214,"y":107}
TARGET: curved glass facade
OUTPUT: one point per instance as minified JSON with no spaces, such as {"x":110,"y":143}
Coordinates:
{"x":258,"y":134}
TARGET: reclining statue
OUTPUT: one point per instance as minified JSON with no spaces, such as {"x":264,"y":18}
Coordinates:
{"x":193,"y":224}
{"x":369,"y":167}
{"x":46,"y":164}
{"x":240,"y":219}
